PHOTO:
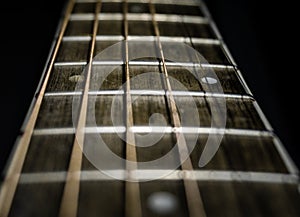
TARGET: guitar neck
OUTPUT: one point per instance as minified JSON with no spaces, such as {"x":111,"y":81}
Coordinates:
{"x":142,"y":111}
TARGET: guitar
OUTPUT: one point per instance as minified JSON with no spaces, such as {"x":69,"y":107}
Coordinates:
{"x":127,"y":83}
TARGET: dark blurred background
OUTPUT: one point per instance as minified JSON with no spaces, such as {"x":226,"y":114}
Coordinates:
{"x":261,"y":36}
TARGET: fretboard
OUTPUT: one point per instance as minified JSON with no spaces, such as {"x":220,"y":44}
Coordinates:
{"x":142,"y":111}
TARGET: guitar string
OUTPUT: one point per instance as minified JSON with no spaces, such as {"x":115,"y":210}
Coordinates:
{"x":132,"y":189}
{"x":193,"y":196}
{"x":69,"y":202}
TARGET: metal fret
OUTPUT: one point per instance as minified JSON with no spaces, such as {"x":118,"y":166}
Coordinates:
{"x":153,"y":93}
{"x":141,"y":17}
{"x":147,"y":63}
{"x":83,"y":63}
{"x":172,"y":2}
{"x":153,"y":129}
{"x":142,"y":38}
{"x":82,"y":17}
{"x":199,"y":175}
{"x":77,"y":38}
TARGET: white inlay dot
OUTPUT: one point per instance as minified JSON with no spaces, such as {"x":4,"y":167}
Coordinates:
{"x":209,"y":80}
{"x":162,"y":203}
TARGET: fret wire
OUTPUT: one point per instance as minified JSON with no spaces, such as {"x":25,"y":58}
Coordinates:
{"x":132,"y":189}
{"x":83,"y":63}
{"x":175,"y":39}
{"x":149,"y":92}
{"x":143,"y":38}
{"x":51,"y":94}
{"x":109,"y":38}
{"x":141,"y":17}
{"x":9,"y":185}
{"x":194,"y":19}
{"x":198,"y":175}
{"x":98,"y":38}
{"x":77,"y":38}
{"x":107,"y":92}
{"x":69,"y":202}
{"x":183,"y":64}
{"x":177,"y":2}
{"x":82,"y":17}
{"x":192,"y":192}
{"x":205,"y":41}
{"x":146,"y":63}
{"x":111,"y":16}
{"x":157,"y":129}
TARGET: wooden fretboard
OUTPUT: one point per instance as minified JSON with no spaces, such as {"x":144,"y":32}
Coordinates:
{"x":251,"y":173}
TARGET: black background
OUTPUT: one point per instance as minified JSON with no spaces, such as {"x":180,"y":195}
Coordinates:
{"x":261,"y":36}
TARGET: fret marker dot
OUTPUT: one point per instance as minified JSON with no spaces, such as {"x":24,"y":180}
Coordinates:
{"x":162,"y":203}
{"x":209,"y":80}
